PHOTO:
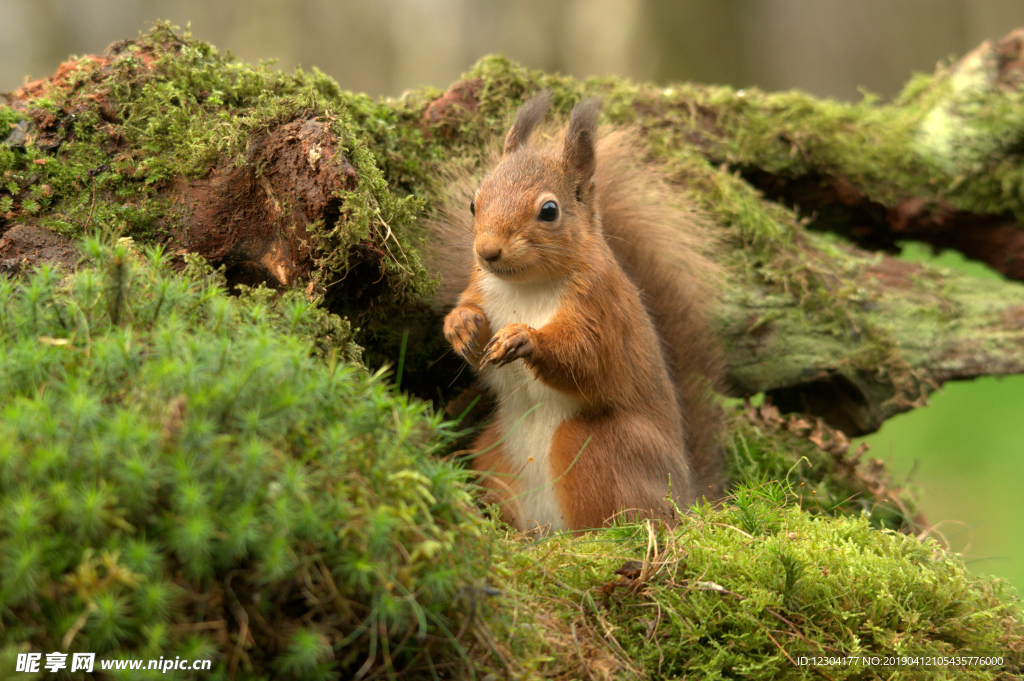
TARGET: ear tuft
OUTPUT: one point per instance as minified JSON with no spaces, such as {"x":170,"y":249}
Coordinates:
{"x":579,"y":155}
{"x":527,"y":118}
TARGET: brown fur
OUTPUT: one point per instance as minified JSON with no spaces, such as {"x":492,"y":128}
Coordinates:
{"x":630,"y":338}
{"x":666,"y":250}
{"x":500,"y":483}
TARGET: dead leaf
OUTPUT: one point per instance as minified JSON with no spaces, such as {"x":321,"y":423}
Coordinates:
{"x":630,"y":569}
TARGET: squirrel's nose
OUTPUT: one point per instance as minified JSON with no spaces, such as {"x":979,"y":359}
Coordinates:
{"x":489,"y":252}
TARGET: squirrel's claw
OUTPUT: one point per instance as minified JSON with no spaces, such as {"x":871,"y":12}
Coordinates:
{"x":461,"y":329}
{"x":511,"y":343}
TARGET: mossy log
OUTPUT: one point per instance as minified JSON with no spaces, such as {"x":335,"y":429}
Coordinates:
{"x":287,"y":180}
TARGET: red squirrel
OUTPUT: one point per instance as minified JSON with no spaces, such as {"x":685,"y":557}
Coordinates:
{"x":601,"y":388}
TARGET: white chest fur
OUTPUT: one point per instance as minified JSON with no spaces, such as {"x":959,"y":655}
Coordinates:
{"x":528,"y":411}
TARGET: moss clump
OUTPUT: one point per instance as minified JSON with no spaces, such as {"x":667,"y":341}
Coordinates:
{"x":825,"y":482}
{"x":745,"y":591}
{"x":109,"y":140}
{"x":181,"y":469}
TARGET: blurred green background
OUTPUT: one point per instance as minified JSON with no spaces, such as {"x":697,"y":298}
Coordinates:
{"x":966,"y":449}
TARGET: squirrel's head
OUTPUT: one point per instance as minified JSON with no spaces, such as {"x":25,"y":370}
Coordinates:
{"x":533,"y":210}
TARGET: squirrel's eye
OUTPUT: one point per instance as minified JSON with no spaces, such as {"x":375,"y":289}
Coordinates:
{"x":472,"y":207}
{"x":548,"y":212}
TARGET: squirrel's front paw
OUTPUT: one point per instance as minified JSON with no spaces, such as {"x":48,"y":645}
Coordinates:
{"x":514,"y":341}
{"x":462,"y":328}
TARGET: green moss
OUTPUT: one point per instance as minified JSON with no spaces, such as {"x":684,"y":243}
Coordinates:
{"x":8,"y":120}
{"x":745,"y":591}
{"x":823,"y":483}
{"x":950,"y":136}
{"x":167,"y":108}
{"x":170,"y":454}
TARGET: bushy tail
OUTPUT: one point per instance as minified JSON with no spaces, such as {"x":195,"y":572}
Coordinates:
{"x":449,"y":235}
{"x":666,"y":248}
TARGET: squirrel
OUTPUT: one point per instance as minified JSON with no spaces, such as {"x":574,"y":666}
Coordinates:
{"x":584,"y":314}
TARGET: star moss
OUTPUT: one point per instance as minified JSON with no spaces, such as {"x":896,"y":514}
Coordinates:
{"x":170,"y":454}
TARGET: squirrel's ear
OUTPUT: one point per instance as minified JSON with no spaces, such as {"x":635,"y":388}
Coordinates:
{"x":527,"y":118}
{"x":579,"y":156}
